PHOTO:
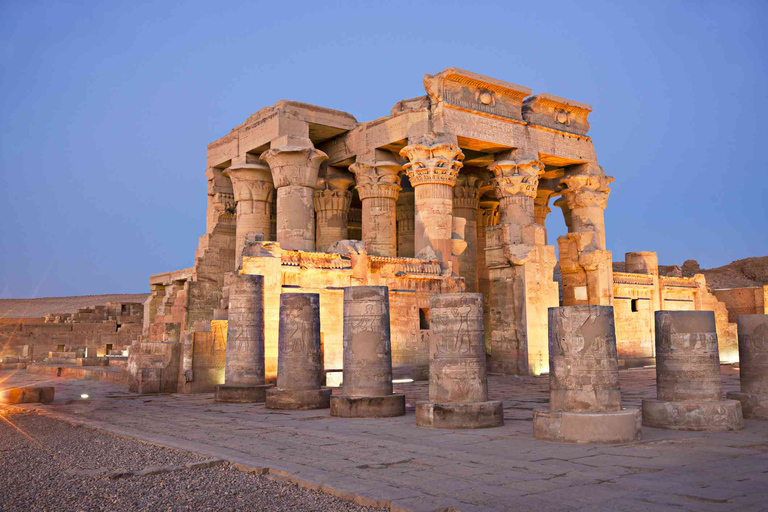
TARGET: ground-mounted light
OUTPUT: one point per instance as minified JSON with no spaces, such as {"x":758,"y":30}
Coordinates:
{"x":85,"y":396}
{"x":401,"y":381}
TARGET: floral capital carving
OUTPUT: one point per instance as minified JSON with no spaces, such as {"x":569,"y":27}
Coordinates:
{"x":584,"y":190}
{"x":516,"y":178}
{"x":466,"y":192}
{"x":435,"y":164}
{"x":377,"y":179}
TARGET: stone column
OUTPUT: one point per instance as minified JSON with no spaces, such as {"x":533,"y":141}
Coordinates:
{"x":378,"y":185}
{"x":367,"y":388}
{"x":244,"y":370}
{"x":584,"y":396}
{"x":466,"y":198}
{"x":520,"y":269}
{"x":432,"y":171}
{"x":405,"y":223}
{"x":585,"y":264}
{"x":487,"y":216}
{"x":254,"y":191}
{"x":458,"y":388}
{"x":753,"y":366}
{"x":332,"y":201}
{"x":299,"y":361}
{"x":294,"y":172}
{"x":540,"y":211}
{"x":688,"y":388}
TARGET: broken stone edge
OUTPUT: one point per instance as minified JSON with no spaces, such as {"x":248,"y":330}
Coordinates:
{"x":624,"y":426}
{"x":298,"y":400}
{"x":753,"y":406}
{"x":459,"y":415}
{"x":385,"y":406}
{"x":716,"y":416}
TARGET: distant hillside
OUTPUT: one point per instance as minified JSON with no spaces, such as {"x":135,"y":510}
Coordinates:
{"x":33,"y":308}
{"x":746,"y":273}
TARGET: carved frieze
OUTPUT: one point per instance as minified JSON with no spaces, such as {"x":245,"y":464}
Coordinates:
{"x":557,"y":113}
{"x":463,"y":90}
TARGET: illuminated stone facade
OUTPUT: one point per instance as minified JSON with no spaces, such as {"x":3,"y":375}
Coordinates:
{"x":448,"y":193}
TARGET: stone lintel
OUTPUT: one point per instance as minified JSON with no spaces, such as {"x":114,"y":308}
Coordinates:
{"x":557,"y":113}
{"x":464,"y":90}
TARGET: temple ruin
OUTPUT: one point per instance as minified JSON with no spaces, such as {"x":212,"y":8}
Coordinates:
{"x":448,"y":193}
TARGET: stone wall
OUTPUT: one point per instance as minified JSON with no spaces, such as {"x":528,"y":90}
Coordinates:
{"x":95,"y":330}
{"x":638,"y":294}
{"x":744,"y":301}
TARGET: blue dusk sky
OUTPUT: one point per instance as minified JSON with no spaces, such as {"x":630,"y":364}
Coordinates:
{"x":107,"y":108}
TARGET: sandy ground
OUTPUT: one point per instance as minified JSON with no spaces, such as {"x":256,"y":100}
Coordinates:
{"x":46,"y":464}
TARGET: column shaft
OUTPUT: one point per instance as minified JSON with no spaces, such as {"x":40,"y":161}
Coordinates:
{"x":378,"y":185}
{"x":294,"y":171}
{"x":432,"y":170}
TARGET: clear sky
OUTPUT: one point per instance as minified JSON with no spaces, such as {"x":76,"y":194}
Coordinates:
{"x":106,"y":109}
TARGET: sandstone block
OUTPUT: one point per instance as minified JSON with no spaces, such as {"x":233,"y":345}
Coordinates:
{"x":38,"y":394}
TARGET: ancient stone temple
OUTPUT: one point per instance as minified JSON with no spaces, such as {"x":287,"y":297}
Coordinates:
{"x":448,"y":193}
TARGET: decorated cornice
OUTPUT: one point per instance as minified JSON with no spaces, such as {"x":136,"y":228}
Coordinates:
{"x":516,"y":177}
{"x":437,"y":164}
{"x":377,"y":179}
{"x":294,"y":165}
{"x":466,"y":192}
{"x":584,"y":190}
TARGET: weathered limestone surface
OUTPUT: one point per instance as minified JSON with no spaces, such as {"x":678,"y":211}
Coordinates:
{"x":688,"y":388}
{"x":584,"y":397}
{"x":367,"y":388}
{"x":253,"y":192}
{"x":753,"y":366}
{"x":520,"y":270}
{"x":332,"y":202}
{"x":432,"y":168}
{"x":458,"y":388}
{"x":244,"y":370}
{"x":294,"y":172}
{"x":299,"y":363}
{"x":378,"y":185}
{"x":584,"y":261}
{"x":405,"y":223}
{"x":466,"y":199}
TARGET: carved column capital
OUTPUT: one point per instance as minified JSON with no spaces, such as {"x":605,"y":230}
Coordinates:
{"x":328,"y":199}
{"x":377,"y":179}
{"x":294,"y":165}
{"x":466,"y":192}
{"x":516,"y":178}
{"x":433,"y":164}
{"x":585,"y":190}
{"x":251,"y":182}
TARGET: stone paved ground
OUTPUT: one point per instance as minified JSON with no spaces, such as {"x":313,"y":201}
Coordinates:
{"x":392,"y":462}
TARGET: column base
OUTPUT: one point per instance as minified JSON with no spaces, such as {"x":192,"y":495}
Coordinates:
{"x":695,"y":415}
{"x":234,"y":394}
{"x":622,"y":426}
{"x":298,"y":399}
{"x":753,"y":406}
{"x":385,"y":406}
{"x":458,"y":415}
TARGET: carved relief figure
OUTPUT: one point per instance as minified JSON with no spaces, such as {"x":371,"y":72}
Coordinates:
{"x":297,"y":332}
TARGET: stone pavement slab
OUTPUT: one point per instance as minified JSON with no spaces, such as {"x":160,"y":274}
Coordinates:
{"x":390,"y":462}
